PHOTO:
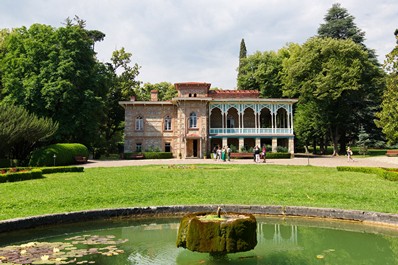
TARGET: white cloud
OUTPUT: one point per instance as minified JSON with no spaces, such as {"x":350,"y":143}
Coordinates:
{"x":177,"y":40}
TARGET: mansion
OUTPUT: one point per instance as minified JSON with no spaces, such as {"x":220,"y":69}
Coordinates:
{"x":198,"y":119}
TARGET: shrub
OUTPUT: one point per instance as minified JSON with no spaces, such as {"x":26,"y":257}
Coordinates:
{"x":21,"y":175}
{"x":157,"y":155}
{"x":386,"y":173}
{"x":281,"y":149}
{"x":278,"y":155}
{"x":50,"y":170}
{"x":65,"y":154}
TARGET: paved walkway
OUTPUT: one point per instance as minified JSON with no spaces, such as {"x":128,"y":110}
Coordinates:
{"x":321,"y":161}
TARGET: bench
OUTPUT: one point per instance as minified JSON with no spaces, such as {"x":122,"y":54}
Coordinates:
{"x":242,"y":155}
{"x":392,"y":152}
{"x":81,"y":159}
{"x":136,"y":156}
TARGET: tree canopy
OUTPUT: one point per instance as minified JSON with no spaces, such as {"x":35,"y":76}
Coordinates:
{"x":388,"y":115}
{"x":54,"y":73}
{"x":329,"y":75}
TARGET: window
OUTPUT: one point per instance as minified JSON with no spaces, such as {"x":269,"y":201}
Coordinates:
{"x":167,"y":123}
{"x":167,"y":147}
{"x":230,"y":122}
{"x":138,"y":147}
{"x":192,"y":120}
{"x":139,"y":124}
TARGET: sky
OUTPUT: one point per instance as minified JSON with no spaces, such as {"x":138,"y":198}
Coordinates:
{"x":199,"y":41}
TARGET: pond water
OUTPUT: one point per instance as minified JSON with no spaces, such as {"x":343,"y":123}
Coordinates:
{"x":153,"y":241}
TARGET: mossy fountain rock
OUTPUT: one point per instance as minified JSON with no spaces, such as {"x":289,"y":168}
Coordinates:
{"x":230,"y":233}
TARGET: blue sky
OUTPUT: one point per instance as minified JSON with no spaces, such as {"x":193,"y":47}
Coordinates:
{"x":180,"y":40}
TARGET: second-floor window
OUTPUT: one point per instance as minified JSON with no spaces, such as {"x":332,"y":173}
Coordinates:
{"x":192,"y":120}
{"x":139,"y":124}
{"x":167,"y":123}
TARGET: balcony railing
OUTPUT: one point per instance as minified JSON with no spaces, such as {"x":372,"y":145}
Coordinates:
{"x":243,"y":131}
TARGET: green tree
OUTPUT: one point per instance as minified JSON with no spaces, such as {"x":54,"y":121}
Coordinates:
{"x":339,"y":24}
{"x":242,"y":56}
{"x":329,"y":73}
{"x":54,"y":73}
{"x":261,"y":71}
{"x":119,"y":79}
{"x":20,"y":131}
{"x":166,"y":91}
{"x":388,"y":115}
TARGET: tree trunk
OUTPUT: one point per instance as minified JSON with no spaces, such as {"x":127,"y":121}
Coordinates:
{"x":335,"y":140}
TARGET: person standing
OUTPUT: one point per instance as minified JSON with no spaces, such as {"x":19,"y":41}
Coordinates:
{"x":229,"y":153}
{"x":257,"y":154}
{"x":264,"y":153}
{"x":349,"y":154}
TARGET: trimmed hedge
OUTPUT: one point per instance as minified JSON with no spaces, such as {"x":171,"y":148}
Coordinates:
{"x":148,"y":155}
{"x":65,"y":155}
{"x":50,"y":170}
{"x":277,"y":155}
{"x":20,"y":176}
{"x":157,"y":155}
{"x":386,"y":173}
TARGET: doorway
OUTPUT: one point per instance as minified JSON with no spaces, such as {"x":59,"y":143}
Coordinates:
{"x":195,"y":148}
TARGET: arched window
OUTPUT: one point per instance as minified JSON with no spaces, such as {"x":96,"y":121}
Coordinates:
{"x":230,"y":122}
{"x":139,"y":124}
{"x":167,"y":123}
{"x":192,"y":120}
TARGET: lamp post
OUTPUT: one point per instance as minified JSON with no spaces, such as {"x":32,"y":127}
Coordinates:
{"x":55,"y":156}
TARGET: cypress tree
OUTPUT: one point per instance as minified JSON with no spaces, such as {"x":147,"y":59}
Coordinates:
{"x":242,"y":56}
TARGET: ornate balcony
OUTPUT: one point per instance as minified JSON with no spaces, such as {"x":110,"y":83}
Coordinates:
{"x":250,"y":131}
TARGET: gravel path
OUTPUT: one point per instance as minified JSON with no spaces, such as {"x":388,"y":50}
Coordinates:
{"x":320,"y":161}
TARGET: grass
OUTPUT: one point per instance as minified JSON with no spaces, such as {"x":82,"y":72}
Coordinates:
{"x":98,"y":188}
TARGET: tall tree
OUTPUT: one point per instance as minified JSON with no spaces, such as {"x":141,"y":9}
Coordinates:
{"x":339,"y":24}
{"x":388,"y":116}
{"x":260,"y":71}
{"x":329,"y":73}
{"x":242,"y":56}
{"x":54,"y":73}
{"x":119,"y":78}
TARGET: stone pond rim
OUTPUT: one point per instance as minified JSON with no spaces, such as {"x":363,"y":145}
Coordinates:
{"x":368,"y":217}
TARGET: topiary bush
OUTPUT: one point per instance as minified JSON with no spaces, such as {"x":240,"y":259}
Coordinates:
{"x":65,"y":154}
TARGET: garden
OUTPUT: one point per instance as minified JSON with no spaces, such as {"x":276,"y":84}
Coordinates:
{"x":98,"y":188}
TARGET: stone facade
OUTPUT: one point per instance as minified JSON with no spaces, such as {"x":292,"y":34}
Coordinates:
{"x":198,"y":119}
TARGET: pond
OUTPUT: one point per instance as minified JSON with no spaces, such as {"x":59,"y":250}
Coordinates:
{"x":128,"y":241}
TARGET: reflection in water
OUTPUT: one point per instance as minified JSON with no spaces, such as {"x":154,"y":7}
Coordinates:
{"x":280,"y":242}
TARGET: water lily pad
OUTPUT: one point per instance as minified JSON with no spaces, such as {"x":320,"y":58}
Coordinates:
{"x":61,"y":252}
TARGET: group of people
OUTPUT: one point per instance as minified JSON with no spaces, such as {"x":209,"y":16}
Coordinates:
{"x":223,"y":154}
{"x":259,"y":154}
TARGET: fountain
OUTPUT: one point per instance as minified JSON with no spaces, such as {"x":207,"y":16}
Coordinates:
{"x":218,"y":234}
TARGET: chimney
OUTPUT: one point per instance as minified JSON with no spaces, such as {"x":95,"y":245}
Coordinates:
{"x":154,"y":95}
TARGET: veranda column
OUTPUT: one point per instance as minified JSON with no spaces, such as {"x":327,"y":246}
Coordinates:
{"x":258,"y":142}
{"x":224,"y":141}
{"x":291,"y":146}
{"x":274,"y":144}
{"x":241,"y":144}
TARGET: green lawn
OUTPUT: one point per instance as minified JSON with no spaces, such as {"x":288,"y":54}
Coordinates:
{"x":98,"y":188}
